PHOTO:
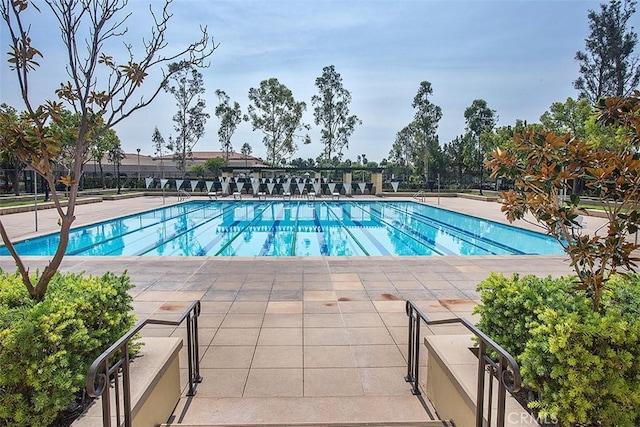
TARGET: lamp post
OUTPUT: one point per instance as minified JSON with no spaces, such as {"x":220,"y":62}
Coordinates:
{"x":138,"y":150}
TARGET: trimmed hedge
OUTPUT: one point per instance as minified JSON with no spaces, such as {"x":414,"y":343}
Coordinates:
{"x":583,"y":365}
{"x":46,"y":347}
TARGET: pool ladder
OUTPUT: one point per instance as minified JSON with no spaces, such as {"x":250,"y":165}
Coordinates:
{"x":183,"y":195}
{"x":420,"y":195}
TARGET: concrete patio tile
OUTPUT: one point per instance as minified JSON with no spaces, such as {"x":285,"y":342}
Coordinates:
{"x":248,"y":307}
{"x":274,"y":383}
{"x":286,"y":295}
{"x":220,"y":296}
{"x":287,"y":285}
{"x":319,"y":295}
{"x":280,"y":336}
{"x":317,"y":285}
{"x":145,"y":307}
{"x":159,"y":331}
{"x":345,"y":277}
{"x":323,"y":320}
{"x":362,"y":320}
{"x":218,"y":357}
{"x":348,"y":286}
{"x":369,"y":356}
{"x":356,"y":307}
{"x":284,"y":307}
{"x":407,"y":284}
{"x":186,"y":296}
{"x":352,"y":295}
{"x":332,"y":382}
{"x":251,"y":295}
{"x":205,"y":335}
{"x":236,"y":336}
{"x":211,"y":307}
{"x":328,"y":356}
{"x":400,"y":334}
{"x":277,"y":320}
{"x":364,"y":336}
{"x":321,"y":307}
{"x":242,"y":320}
{"x":397,"y":306}
{"x":326,"y":336}
{"x":161,"y":296}
{"x":385,"y":381}
{"x":210,"y":320}
{"x":173,"y":307}
{"x":222,"y":382}
{"x":277,"y":356}
{"x":394,"y":319}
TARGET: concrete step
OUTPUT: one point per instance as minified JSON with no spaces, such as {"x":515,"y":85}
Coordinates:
{"x":356,"y":411}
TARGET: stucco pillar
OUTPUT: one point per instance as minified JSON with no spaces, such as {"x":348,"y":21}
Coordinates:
{"x":376,"y":178}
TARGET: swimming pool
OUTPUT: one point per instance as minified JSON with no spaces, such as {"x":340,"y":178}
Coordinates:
{"x":295,"y":228}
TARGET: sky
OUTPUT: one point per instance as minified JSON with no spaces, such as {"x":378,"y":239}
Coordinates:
{"x":518,"y":55}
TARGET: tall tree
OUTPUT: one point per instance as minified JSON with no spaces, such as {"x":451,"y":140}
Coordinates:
{"x":186,"y":85}
{"x":480,"y":121}
{"x":159,"y":145}
{"x":331,"y":111}
{"x":403,"y":146}
{"x":246,"y":152}
{"x":426,"y":120}
{"x":101,"y":90}
{"x":569,"y":116}
{"x":230,"y":117}
{"x":101,"y":146}
{"x":608,"y":66}
{"x":279,"y":116}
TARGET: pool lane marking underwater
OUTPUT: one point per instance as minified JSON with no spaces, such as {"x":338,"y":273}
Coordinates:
{"x":435,"y":247}
{"x":362,"y":248}
{"x":424,"y":219}
{"x":255,"y":217}
{"x":160,"y":221}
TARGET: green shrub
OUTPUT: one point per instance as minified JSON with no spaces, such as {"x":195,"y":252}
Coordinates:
{"x":46,"y":347}
{"x":583,"y":365}
{"x":510,"y":306}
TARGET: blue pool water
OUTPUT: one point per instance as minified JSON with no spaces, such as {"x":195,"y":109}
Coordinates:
{"x":295,"y":228}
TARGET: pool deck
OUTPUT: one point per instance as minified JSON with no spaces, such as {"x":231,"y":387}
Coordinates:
{"x":301,"y":339}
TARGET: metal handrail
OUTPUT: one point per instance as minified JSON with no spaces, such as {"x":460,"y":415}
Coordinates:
{"x":103,"y":370}
{"x":506,"y":369}
{"x":183,"y":195}
{"x":419,"y":195}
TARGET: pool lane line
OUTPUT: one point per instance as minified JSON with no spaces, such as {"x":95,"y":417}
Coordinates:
{"x":226,"y":245}
{"x":79,"y":251}
{"x":465,"y":233}
{"x":435,"y":248}
{"x":347,"y":229}
{"x":218,"y":236}
{"x":271,"y":235}
{"x":177,"y":234}
{"x":324,"y":249}
{"x":294,"y":240}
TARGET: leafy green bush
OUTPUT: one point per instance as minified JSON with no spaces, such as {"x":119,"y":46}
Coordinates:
{"x":46,"y":347}
{"x":583,"y":365}
{"x":510,"y":306}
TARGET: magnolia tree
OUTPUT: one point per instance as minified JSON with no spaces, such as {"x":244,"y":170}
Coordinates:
{"x":544,"y":164}
{"x":102,"y":91}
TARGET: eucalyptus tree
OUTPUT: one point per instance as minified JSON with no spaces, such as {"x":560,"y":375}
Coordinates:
{"x":246,"y":151}
{"x":187,"y":86}
{"x":480,"y":121}
{"x":278,"y":115}
{"x":608,"y":66}
{"x":403,"y":147}
{"x":230,"y":117}
{"x":102,"y":145}
{"x":103,"y":90}
{"x":331,"y":111}
{"x":426,"y":118}
{"x":159,"y":145}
